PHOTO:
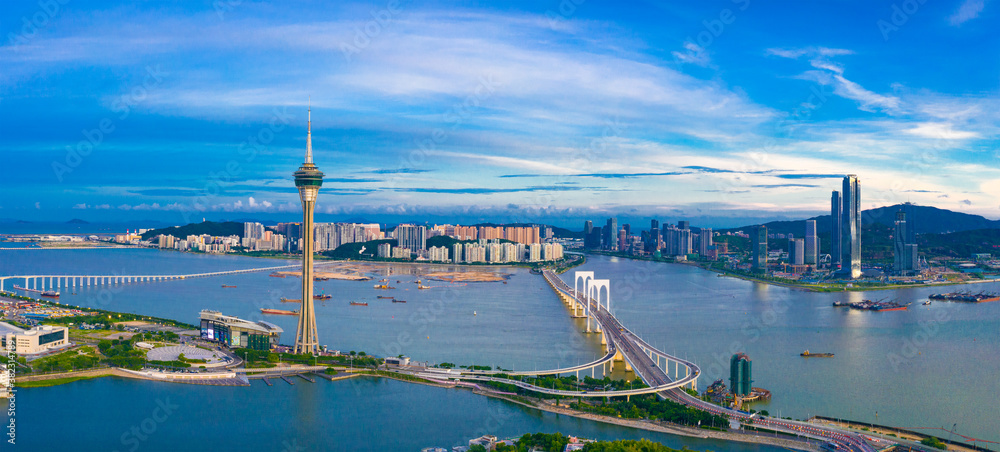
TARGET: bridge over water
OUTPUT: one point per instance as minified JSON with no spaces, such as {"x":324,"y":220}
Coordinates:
{"x":37,"y":283}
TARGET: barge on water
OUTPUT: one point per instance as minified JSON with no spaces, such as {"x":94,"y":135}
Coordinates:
{"x":967,"y":297}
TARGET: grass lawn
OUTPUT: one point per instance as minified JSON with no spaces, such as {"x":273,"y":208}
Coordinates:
{"x":54,"y":381}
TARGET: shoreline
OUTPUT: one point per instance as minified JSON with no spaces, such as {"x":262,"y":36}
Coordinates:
{"x":639,"y":424}
{"x":801,"y":286}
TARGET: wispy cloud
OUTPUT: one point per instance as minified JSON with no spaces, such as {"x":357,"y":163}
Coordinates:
{"x":969,"y":10}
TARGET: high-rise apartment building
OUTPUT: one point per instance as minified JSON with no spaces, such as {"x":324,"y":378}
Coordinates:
{"x":411,"y":237}
{"x":850,"y":230}
{"x":758,"y":241}
{"x":704,"y":241}
{"x":740,"y":375}
{"x":812,"y":243}
{"x":611,"y":234}
{"x":904,"y":252}
{"x":836,"y":226}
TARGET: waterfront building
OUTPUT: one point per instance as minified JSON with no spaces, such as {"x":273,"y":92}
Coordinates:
{"x":412,"y":237}
{"x":836,"y":226}
{"x":438,"y":254}
{"x":384,"y":250}
{"x":904,"y":252}
{"x":34,"y":341}
{"x":759,"y":249}
{"x":308,"y":180}
{"x":534,"y":252}
{"x":252,"y":230}
{"x":611,"y":234}
{"x":592,"y":240}
{"x":234,"y":332}
{"x":474,"y":252}
{"x":400,"y":252}
{"x":456,"y":253}
{"x":797,"y":251}
{"x":704,"y":241}
{"x":654,"y":236}
{"x":740,"y":374}
{"x":850,"y":229}
{"x":812,"y":243}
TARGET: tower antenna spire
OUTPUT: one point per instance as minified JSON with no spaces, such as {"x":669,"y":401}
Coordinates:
{"x":309,"y":135}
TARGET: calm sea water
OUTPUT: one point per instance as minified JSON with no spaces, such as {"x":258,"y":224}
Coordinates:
{"x":356,"y":415}
{"x":930,"y":366}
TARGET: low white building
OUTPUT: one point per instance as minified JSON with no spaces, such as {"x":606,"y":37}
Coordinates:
{"x":36,"y":340}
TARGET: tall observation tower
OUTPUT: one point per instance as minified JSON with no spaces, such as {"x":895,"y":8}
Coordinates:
{"x":308,"y":179}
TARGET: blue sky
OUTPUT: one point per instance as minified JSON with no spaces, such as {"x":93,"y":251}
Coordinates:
{"x":531,"y":111}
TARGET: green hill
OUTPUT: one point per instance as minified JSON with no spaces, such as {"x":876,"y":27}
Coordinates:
{"x":209,"y":227}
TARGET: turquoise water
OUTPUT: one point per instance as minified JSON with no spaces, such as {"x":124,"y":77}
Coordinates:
{"x":358,"y":415}
{"x":930,"y":366}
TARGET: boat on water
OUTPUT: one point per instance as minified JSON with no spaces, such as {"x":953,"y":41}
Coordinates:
{"x":383,"y":286}
{"x":26,"y":289}
{"x":421,"y":286}
{"x":322,"y":296}
{"x":277,"y":311}
{"x":50,"y":294}
{"x":383,"y":280}
{"x":967,"y":297}
{"x":355,"y":303}
{"x":879,"y":306}
{"x":398,"y":301}
{"x":291,"y":300}
{"x":276,"y":275}
{"x":474,"y":313}
{"x":841,"y":304}
{"x":928,"y":302}
{"x":385,"y":297}
{"x":808,"y":354}
{"x":228,"y":287}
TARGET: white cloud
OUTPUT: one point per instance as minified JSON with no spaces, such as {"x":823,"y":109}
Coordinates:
{"x":940,"y":131}
{"x":80,"y":206}
{"x":692,"y":54}
{"x":969,"y":10}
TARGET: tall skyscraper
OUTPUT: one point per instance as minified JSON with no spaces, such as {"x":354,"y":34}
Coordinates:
{"x":797,"y":251}
{"x":812,"y":243}
{"x":683,"y":224}
{"x":653,"y":240}
{"x":850,"y":230}
{"x":740,"y":374}
{"x":704,"y":241}
{"x":904,"y":252}
{"x":611,"y":234}
{"x":308,"y":179}
{"x":758,"y":241}
{"x":588,"y":227}
{"x":835,"y":228}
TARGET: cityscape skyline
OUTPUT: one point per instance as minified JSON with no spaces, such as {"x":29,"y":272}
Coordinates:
{"x":494,"y":139}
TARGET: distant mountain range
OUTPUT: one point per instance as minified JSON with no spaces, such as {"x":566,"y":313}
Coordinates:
{"x":925,"y":219}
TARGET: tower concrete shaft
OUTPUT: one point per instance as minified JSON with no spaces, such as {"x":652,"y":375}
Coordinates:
{"x":308,"y":179}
